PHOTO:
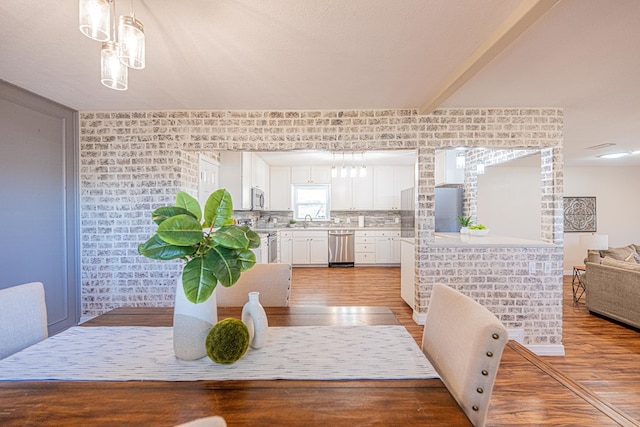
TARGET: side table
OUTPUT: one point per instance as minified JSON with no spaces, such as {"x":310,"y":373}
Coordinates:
{"x":577,"y":284}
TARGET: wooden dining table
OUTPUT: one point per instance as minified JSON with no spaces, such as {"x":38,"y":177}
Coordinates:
{"x":389,"y":402}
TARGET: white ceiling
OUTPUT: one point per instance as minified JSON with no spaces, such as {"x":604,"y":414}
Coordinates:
{"x":581,"y":55}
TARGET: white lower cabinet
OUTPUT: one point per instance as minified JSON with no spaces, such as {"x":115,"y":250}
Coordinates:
{"x":285,"y":247}
{"x":381,"y":247}
{"x":387,"y":247}
{"x":310,"y":248}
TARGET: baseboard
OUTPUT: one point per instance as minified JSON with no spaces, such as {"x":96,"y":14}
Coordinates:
{"x":546,"y":350}
{"x":419,"y":318}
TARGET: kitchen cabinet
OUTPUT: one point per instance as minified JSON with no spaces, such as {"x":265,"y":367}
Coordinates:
{"x":387,"y":245}
{"x":446,"y":170}
{"x":259,"y":173}
{"x":239,"y":171}
{"x":236,"y":177}
{"x":285,"y":247}
{"x":280,"y":188}
{"x":310,"y":175}
{"x":352,"y":193}
{"x":365,"y":247}
{"x":388,"y":181}
{"x":310,"y":248}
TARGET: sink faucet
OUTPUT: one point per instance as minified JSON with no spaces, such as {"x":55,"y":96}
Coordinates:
{"x":306,"y":224}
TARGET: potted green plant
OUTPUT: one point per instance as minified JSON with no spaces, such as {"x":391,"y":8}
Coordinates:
{"x":214,"y":250}
{"x":478,"y":230}
{"x":465,"y":222}
{"x":292,"y":222}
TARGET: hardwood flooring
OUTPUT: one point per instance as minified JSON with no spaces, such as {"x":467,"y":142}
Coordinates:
{"x":601,"y":356}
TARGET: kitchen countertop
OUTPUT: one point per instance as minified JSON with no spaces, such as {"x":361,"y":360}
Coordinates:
{"x":459,"y":240}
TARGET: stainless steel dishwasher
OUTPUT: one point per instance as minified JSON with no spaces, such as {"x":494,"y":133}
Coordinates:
{"x":341,"y":248}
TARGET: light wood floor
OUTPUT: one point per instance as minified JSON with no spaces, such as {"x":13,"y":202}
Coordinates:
{"x":600,"y":355}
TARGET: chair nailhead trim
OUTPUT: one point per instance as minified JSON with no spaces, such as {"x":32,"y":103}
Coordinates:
{"x":475,"y":407}
{"x":495,"y":336}
{"x":485,"y":372}
{"x":480,"y":390}
{"x":490,"y":353}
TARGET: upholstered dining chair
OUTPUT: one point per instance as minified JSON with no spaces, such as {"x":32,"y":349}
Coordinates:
{"x":273,"y":281}
{"x":464,"y":343}
{"x":23,"y":317}
{"x":213,"y":421}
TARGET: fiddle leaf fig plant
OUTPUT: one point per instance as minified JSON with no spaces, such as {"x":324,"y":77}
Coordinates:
{"x":213,"y":248}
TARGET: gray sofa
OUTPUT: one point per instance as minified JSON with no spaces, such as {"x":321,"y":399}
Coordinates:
{"x":613,"y":284}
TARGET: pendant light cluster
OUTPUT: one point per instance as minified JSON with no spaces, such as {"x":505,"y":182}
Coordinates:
{"x":122,"y":46}
{"x":352,"y":171}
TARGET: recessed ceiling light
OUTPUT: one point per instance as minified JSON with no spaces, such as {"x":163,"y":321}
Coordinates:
{"x":614,"y":155}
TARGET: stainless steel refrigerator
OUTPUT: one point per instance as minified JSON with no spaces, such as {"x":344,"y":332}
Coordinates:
{"x":448,"y":202}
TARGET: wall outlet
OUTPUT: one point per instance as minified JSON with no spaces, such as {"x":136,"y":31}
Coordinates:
{"x":547,"y":267}
{"x":532,"y":267}
{"x":336,"y":220}
{"x":348,"y":220}
{"x":397,"y":220}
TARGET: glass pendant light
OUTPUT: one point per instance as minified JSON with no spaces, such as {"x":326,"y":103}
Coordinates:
{"x":334,"y":169}
{"x":131,"y":42}
{"x":114,"y":74}
{"x":95,"y":19}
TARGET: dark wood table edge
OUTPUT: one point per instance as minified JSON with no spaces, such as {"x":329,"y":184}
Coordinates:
{"x":579,"y":390}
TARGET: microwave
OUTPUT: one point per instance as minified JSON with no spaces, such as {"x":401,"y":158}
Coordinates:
{"x":257,"y":199}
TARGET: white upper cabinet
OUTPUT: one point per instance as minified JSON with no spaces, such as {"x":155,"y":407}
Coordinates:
{"x":236,"y":177}
{"x":260,"y":173}
{"x":310,"y":175}
{"x":388,"y":181}
{"x":280,"y":194}
{"x":446,"y":170}
{"x":352,"y":193}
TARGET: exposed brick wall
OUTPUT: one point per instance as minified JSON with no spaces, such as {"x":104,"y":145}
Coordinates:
{"x":133,"y":162}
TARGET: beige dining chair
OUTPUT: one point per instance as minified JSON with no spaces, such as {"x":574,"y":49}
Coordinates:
{"x":213,"y":421}
{"x":23,"y":317}
{"x":273,"y":281}
{"x":464,"y":343}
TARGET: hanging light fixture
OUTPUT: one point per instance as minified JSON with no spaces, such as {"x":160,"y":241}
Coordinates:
{"x":131,"y":41}
{"x":122,"y":49}
{"x":354,"y":170}
{"x":95,"y":19}
{"x":113,"y":73}
{"x":343,"y":170}
{"x":334,"y":169}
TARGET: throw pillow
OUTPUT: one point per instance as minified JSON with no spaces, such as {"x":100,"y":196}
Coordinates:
{"x":618,"y":253}
{"x":636,"y":256}
{"x":611,"y":262}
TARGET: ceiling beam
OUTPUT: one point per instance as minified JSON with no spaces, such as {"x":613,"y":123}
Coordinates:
{"x":527,"y":13}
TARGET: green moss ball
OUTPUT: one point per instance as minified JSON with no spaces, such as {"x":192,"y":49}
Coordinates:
{"x":227,"y":341}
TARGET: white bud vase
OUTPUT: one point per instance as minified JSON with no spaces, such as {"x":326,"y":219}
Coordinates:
{"x":254,"y":316}
{"x":191,"y":324}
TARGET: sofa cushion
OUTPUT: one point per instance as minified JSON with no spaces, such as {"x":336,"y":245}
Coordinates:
{"x":612,"y":262}
{"x":618,"y":253}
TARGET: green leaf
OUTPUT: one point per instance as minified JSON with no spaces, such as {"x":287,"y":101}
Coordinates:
{"x":156,"y":248}
{"x":246,"y":258}
{"x":189,"y":203}
{"x":160,"y":214}
{"x":198,"y":280}
{"x":223,"y":264}
{"x":181,"y":230}
{"x":232,"y":236}
{"x":218,"y":209}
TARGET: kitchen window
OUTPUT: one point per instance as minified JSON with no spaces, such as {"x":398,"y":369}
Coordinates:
{"x":313,"y":200}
